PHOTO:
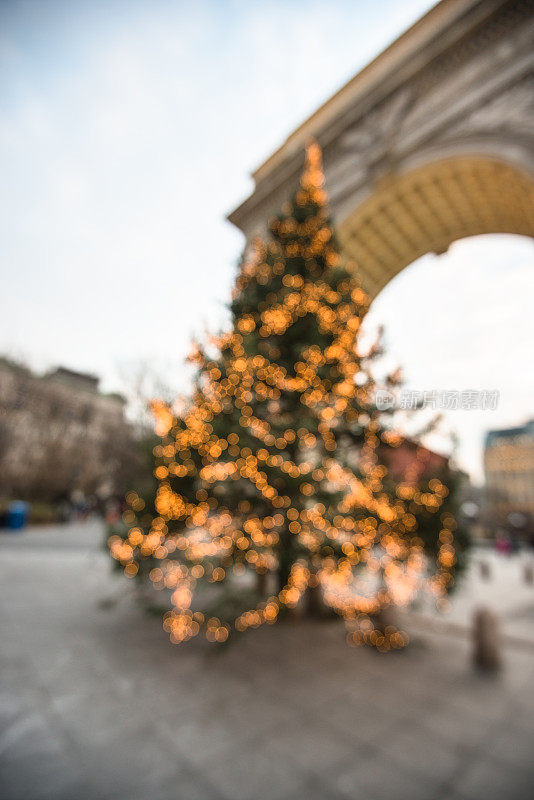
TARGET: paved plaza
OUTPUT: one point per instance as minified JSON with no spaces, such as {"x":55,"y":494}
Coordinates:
{"x":96,"y":703}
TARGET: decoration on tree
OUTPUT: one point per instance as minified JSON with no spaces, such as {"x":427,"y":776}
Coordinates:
{"x":269,"y":482}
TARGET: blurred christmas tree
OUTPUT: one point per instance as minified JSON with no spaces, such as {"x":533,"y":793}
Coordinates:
{"x":270,"y":485}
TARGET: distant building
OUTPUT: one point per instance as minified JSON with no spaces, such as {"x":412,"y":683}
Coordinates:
{"x":411,"y":462}
{"x":58,"y":434}
{"x":509,"y":469}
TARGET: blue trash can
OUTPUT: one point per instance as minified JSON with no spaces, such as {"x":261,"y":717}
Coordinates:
{"x":17,"y":515}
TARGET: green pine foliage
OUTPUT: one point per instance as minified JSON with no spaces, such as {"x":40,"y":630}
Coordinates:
{"x":272,"y":470}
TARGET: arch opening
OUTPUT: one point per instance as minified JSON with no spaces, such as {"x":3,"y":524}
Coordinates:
{"x":461,"y":323}
{"x":426,"y":209}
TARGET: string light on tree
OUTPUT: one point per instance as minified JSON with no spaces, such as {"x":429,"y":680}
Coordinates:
{"x":258,"y":475}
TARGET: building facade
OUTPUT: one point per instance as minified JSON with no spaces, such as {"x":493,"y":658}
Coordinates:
{"x":59,"y":434}
{"x":412,"y":462}
{"x":509,"y":469}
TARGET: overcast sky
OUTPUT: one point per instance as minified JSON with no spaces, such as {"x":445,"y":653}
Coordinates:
{"x":129,"y":129}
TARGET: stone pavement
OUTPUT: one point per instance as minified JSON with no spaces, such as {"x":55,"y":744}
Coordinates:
{"x":96,"y":703}
{"x":504,"y":590}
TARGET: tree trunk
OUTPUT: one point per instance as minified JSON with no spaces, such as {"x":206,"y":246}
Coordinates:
{"x":313,"y":602}
{"x":283,"y":576}
{"x":386,"y":615}
{"x":261,"y":583}
{"x":285,"y":559}
{"x":384,"y":618}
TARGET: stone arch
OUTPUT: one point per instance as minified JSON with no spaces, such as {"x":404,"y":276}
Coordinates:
{"x":427,"y":208}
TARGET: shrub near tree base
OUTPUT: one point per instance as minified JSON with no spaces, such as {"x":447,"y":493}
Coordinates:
{"x":271,"y":472}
